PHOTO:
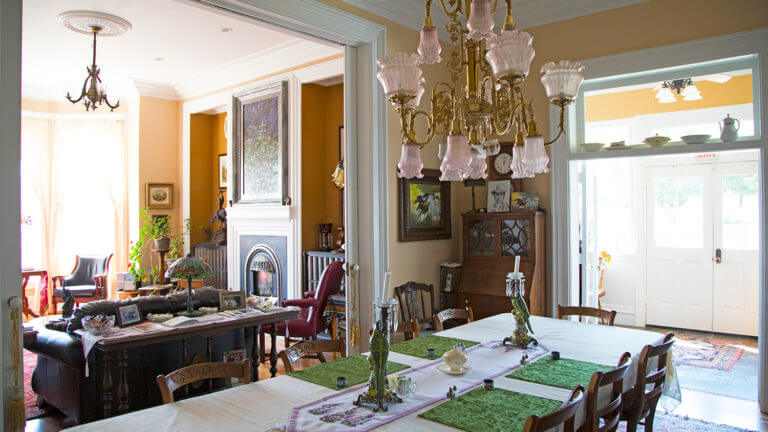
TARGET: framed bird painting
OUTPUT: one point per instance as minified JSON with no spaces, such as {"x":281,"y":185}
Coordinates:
{"x":424,"y":208}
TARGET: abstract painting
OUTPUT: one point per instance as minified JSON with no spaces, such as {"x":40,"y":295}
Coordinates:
{"x":260,"y":148}
{"x":425,"y":205}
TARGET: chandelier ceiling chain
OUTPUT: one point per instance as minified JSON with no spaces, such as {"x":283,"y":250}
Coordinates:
{"x":490,"y":105}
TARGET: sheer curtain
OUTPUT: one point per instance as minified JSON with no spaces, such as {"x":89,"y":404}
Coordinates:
{"x":74,"y":191}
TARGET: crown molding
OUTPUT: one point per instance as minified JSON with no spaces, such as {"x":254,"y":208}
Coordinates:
{"x":155,"y":89}
{"x":274,"y":59}
{"x":47,"y":94}
{"x":326,"y":73}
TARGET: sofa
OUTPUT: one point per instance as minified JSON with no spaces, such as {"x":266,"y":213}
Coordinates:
{"x":59,"y":377}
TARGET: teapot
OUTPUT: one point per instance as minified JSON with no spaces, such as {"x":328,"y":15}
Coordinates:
{"x":729,"y":129}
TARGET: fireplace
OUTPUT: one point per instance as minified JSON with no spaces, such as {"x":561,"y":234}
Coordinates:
{"x":263,"y":265}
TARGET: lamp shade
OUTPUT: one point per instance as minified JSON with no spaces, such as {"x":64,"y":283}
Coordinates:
{"x":519,"y":167}
{"x":479,"y":165}
{"x":189,"y":267}
{"x":399,"y":74}
{"x":562,"y":80}
{"x":535,"y":156}
{"x":410,"y":164}
{"x":480,"y":22}
{"x":691,"y":93}
{"x":413,"y":103}
{"x":511,"y":53}
{"x":429,"y":46}
{"x":457,"y":158}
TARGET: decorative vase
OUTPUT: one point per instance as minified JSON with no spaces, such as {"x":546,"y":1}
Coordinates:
{"x":326,"y":236}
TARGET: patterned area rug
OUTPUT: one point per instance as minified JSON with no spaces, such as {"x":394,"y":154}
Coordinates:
{"x":30,"y":397}
{"x":673,"y":423}
{"x":707,"y":352}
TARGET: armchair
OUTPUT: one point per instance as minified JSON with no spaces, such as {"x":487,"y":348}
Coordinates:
{"x":87,"y":282}
{"x":310,"y":321}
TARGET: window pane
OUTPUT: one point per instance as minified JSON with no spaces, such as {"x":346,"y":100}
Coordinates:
{"x":678,"y":212}
{"x":740,"y":212}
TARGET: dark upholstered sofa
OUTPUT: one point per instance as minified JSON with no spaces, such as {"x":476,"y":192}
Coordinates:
{"x":59,"y":377}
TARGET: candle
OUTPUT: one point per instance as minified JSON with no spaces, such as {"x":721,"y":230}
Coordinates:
{"x":385,"y":289}
{"x":517,"y":264}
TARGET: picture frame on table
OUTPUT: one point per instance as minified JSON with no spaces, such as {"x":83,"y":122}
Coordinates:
{"x":232,"y":300}
{"x":424,"y":208}
{"x":128,"y":314}
{"x":528,"y":201}
{"x":499,"y":193}
{"x":223,"y":172}
{"x":260,"y":144}
{"x":159,"y":195}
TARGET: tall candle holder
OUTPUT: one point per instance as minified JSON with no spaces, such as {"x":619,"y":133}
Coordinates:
{"x":378,"y":392}
{"x":516,"y":292}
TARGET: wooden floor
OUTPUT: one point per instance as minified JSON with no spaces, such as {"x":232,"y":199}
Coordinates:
{"x":55,"y":421}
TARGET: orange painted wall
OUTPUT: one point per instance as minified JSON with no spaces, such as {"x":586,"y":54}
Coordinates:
{"x":620,"y":105}
{"x":206,"y":142}
{"x":322,"y":113}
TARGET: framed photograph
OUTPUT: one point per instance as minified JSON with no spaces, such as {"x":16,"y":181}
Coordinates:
{"x":223,"y":173}
{"x":260,"y":144}
{"x":230,"y":300}
{"x":159,"y":195}
{"x":525,"y":201}
{"x":499,"y":193}
{"x":128,"y":314}
{"x":424,"y":208}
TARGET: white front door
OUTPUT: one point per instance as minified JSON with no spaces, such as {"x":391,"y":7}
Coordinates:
{"x":702,"y":236}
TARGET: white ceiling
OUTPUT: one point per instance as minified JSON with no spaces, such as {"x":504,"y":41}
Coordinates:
{"x":527,"y":13}
{"x":197,"y":57}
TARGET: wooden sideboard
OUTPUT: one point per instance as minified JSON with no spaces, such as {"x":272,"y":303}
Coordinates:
{"x":491,"y":242}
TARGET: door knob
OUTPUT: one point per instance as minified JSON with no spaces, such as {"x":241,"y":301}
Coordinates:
{"x":718,"y":256}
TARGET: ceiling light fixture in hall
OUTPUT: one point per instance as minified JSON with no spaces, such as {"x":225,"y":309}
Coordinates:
{"x":93,"y":94}
{"x":490,"y":105}
{"x":684,"y":87}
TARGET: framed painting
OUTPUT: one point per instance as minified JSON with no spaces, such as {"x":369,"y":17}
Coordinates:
{"x":424,"y":208}
{"x":260,"y":144}
{"x":159,"y":195}
{"x":223,"y":174}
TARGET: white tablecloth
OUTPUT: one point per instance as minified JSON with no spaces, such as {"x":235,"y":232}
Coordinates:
{"x":261,"y":405}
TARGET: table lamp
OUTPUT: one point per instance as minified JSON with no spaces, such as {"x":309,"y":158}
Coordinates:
{"x":190,"y":267}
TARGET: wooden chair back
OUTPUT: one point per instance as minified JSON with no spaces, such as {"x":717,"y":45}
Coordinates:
{"x":611,"y":411}
{"x":417,"y":301}
{"x":452,"y":314}
{"x":564,"y":415}
{"x":314,"y":347}
{"x":606,"y":317}
{"x":409,"y":329}
{"x":201,"y":371}
{"x":642,"y":399}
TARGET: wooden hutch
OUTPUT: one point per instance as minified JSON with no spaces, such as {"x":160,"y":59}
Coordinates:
{"x":491,"y":242}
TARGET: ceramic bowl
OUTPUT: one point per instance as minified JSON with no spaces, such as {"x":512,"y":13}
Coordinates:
{"x":695,"y":139}
{"x":592,"y":147}
{"x":656,"y":141}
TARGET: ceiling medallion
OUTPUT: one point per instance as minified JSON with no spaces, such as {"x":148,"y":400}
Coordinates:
{"x":96,"y":24}
{"x":491,"y":102}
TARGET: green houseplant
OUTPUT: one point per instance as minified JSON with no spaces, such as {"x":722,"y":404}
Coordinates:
{"x":160,"y":231}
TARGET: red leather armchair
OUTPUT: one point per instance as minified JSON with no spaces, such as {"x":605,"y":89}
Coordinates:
{"x":310,"y":321}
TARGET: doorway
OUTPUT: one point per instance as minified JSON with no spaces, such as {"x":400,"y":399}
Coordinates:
{"x":702,"y":247}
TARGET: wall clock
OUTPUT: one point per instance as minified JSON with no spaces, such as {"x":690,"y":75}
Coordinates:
{"x":500,"y":166}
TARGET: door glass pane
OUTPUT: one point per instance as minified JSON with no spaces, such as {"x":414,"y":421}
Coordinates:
{"x":515,"y":237}
{"x":481,"y":237}
{"x":679,"y":212}
{"x":740,"y":211}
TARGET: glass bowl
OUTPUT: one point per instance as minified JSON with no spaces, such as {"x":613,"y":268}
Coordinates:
{"x":99,"y":325}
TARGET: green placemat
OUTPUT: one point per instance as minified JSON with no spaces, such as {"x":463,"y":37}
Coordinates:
{"x":563,"y":373}
{"x":495,"y":410}
{"x":418,"y":347}
{"x":355,"y":368}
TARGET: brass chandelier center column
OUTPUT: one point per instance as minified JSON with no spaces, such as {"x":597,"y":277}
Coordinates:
{"x":490,"y":105}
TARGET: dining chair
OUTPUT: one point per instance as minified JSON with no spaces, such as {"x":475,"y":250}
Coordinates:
{"x":606,"y":317}
{"x":409,"y":329}
{"x":606,"y":418}
{"x":311,"y":348}
{"x":416,"y":301}
{"x":201,"y":371}
{"x":442,"y":317}
{"x":640,"y":401}
{"x":564,"y":415}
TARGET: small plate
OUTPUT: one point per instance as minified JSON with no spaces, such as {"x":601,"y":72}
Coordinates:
{"x":444,"y":368}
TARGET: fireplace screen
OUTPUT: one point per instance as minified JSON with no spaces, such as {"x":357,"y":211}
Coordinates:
{"x":264,"y":272}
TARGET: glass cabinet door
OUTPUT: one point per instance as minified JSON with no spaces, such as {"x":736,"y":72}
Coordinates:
{"x":481,"y":237}
{"x":516,"y":237}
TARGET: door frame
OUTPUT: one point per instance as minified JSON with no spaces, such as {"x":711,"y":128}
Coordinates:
{"x":753,"y":42}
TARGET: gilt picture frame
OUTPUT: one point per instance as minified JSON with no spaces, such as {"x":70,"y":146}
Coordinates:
{"x":260,"y":145}
{"x":159,"y":196}
{"x":424,"y":208}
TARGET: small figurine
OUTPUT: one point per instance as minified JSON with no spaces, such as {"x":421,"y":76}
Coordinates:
{"x":68,"y":306}
{"x":451,"y":395}
{"x":524,"y":359}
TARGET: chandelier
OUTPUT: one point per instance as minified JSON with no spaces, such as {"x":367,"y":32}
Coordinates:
{"x":683,"y":87}
{"x":93,"y":93}
{"x":490,"y":105}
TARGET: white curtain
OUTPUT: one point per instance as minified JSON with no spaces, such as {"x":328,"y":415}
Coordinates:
{"x":74,"y":191}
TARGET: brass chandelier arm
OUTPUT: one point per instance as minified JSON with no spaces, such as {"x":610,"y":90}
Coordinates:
{"x":452,"y":13}
{"x":560,"y":125}
{"x":82,"y":92}
{"x":412,"y":131}
{"x":500,"y":126}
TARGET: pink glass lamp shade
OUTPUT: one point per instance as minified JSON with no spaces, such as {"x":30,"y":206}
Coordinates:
{"x":480,"y":22}
{"x":410,"y":164}
{"x":511,"y":53}
{"x":399,"y":74}
{"x":429,"y":46}
{"x":535,"y":156}
{"x":478,"y":166}
{"x":457,"y":159}
{"x":519,"y":167}
{"x":413,"y":103}
{"x":562,"y":80}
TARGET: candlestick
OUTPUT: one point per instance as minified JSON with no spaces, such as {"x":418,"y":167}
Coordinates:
{"x":385,"y":290}
{"x":517,"y":263}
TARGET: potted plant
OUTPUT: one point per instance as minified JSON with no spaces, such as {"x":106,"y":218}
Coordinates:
{"x":160,"y":232}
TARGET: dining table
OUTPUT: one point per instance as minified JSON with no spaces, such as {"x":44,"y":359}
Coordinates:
{"x":281,"y":403}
